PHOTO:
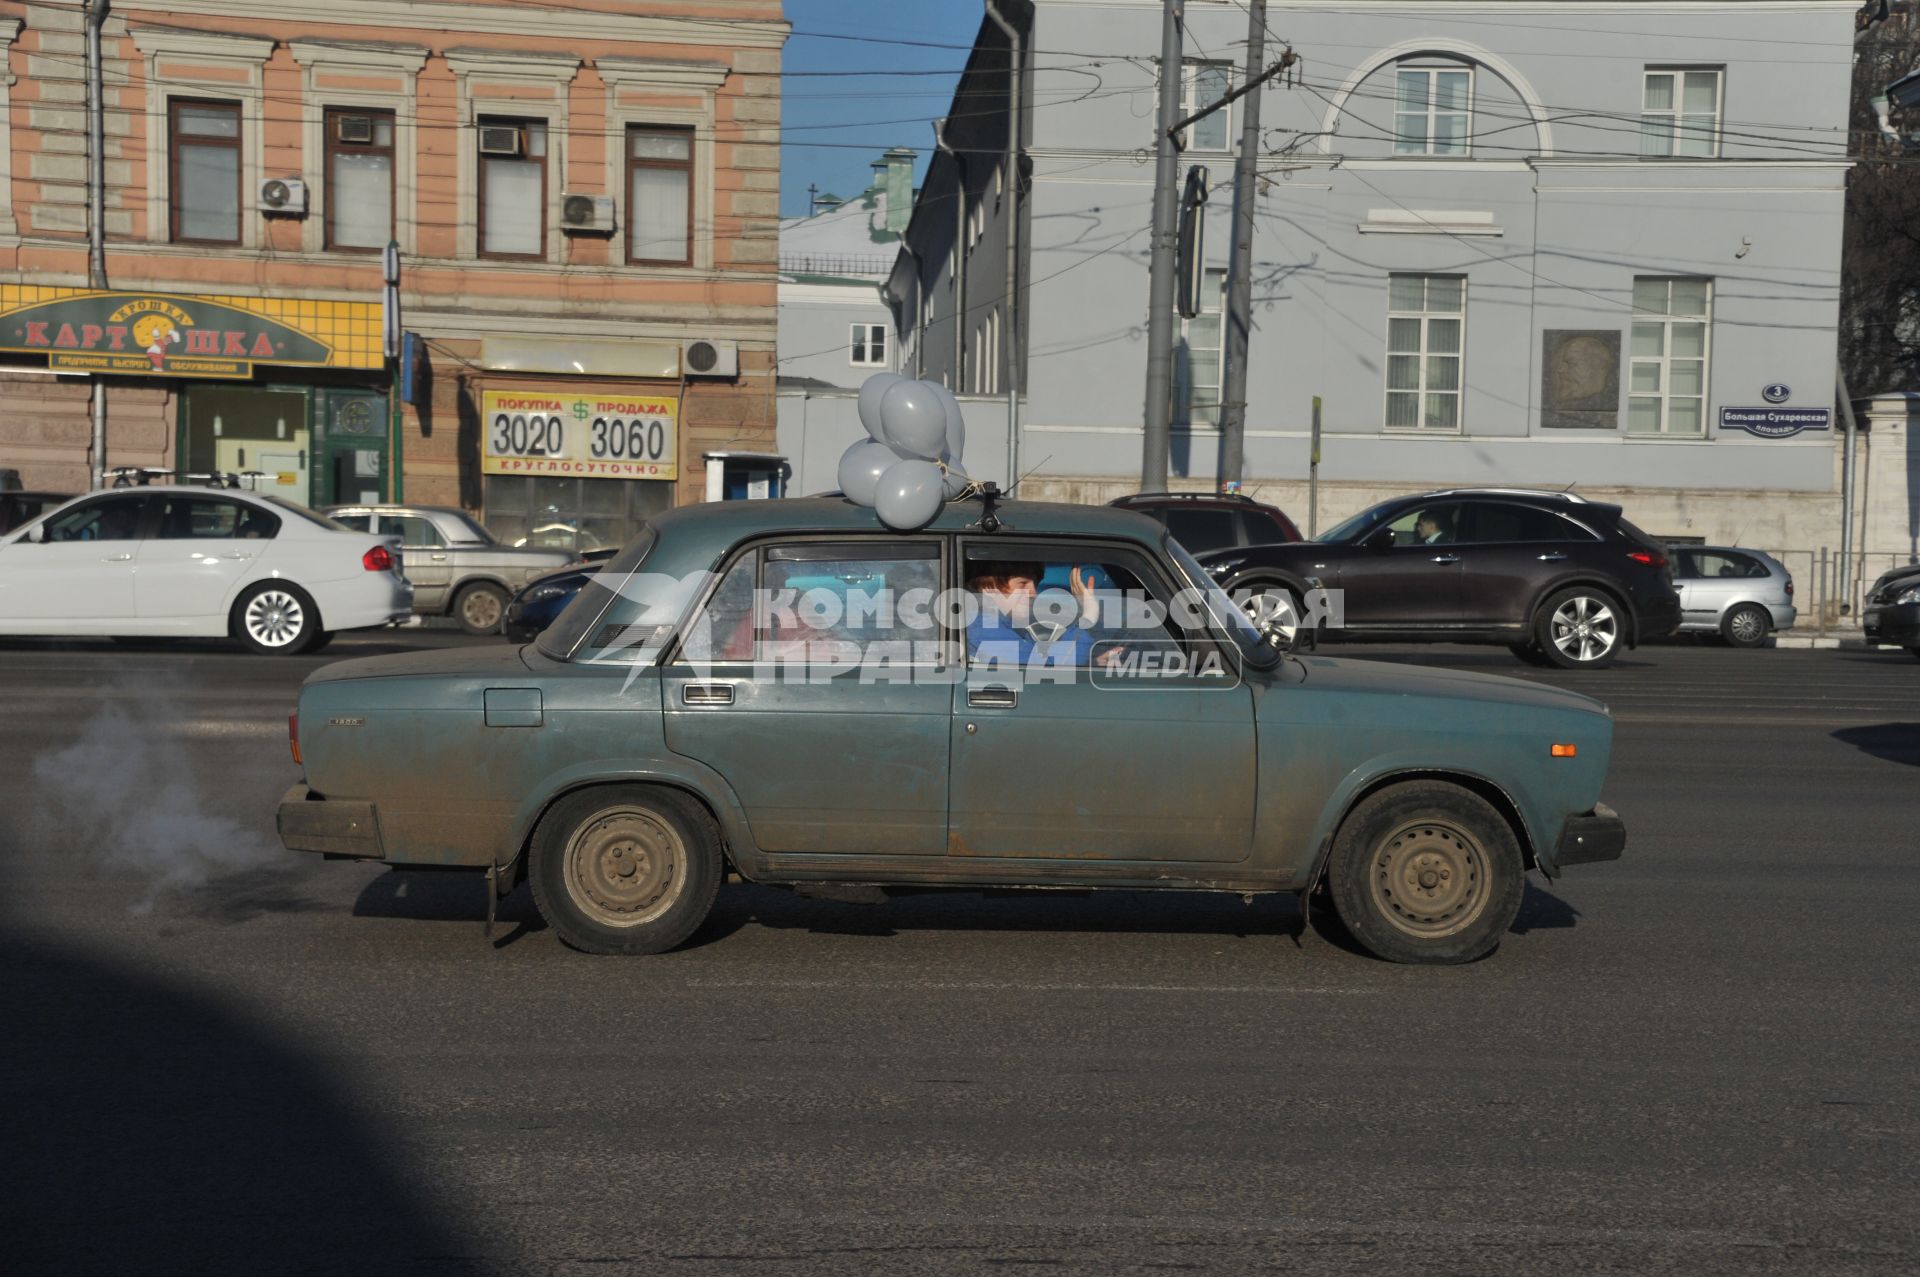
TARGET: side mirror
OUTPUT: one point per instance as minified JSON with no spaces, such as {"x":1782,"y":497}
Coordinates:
{"x":1381,"y":539}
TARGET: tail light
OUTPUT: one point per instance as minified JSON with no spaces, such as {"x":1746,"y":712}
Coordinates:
{"x":378,"y":559}
{"x":1652,"y":558}
{"x":293,"y":736}
{"x":1789,"y":587}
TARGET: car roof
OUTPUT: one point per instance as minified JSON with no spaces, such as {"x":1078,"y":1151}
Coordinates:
{"x":395,"y":507}
{"x":1150,"y":498}
{"x":732,"y":521}
{"x":1539,"y":494}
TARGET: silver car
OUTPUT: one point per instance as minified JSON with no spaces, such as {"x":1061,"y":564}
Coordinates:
{"x":1741,"y":595}
{"x":456,"y":566}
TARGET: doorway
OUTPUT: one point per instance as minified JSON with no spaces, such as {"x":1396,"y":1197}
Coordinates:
{"x":262,"y":435}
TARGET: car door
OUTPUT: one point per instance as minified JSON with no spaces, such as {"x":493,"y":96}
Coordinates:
{"x":425,"y":556}
{"x":1514,"y":553}
{"x":79,"y":579}
{"x":1719,"y":578}
{"x":1406,"y":575}
{"x":1687,"y":583}
{"x":201,"y":549}
{"x":778,"y":686}
{"x":1140,"y":763}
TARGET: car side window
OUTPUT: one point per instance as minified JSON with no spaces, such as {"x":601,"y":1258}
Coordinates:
{"x":1067,"y":606}
{"x":108,"y":519}
{"x":1496,"y":522}
{"x":1686,"y":565}
{"x":1718,"y":565}
{"x":1437,"y":524}
{"x":1260,"y":528}
{"x":822,"y":604}
{"x":415,"y":532}
{"x":212,"y":518}
{"x":1201,"y":529}
{"x":358,"y":522}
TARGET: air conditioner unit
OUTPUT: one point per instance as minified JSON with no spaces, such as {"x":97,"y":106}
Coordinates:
{"x":356,"y":128}
{"x":286,"y":195}
{"x":703,"y":358}
{"x":499,"y":139}
{"x":586,"y":213}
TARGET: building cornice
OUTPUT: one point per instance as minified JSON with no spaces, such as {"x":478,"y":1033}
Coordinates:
{"x":407,"y":58}
{"x":499,"y":64}
{"x":653,"y":73}
{"x":491,"y":19}
{"x":219,"y":46}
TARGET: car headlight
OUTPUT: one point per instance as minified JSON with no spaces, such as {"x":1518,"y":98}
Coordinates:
{"x":545,"y":592}
{"x":1909,"y":595}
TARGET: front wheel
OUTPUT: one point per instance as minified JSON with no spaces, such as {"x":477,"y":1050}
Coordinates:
{"x":626,"y":869}
{"x":1273,"y":609}
{"x":1579,"y":629}
{"x":1746,"y":626}
{"x":1426,"y":872}
{"x":274,"y":618}
{"x":480,"y":608}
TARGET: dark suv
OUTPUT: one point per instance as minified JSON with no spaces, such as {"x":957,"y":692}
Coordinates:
{"x":1204,"y":521}
{"x":1558,"y":579}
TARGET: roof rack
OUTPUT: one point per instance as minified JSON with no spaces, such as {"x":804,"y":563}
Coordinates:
{"x":1184,"y":496}
{"x":1549,"y":494}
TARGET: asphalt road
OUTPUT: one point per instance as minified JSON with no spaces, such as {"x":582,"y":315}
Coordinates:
{"x":218,"y":1057}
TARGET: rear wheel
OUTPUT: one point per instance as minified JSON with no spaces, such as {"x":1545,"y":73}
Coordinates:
{"x":480,"y":608}
{"x":1746,"y":626}
{"x":275,"y":618}
{"x":1579,"y":629}
{"x":1426,"y":872}
{"x":625,"y":869}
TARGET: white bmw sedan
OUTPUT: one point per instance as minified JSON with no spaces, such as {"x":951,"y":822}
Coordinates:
{"x":176,"y":561}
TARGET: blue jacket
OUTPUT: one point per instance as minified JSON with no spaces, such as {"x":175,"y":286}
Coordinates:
{"x":997,"y":641}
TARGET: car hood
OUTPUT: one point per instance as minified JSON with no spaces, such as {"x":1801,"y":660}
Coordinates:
{"x":1905,"y":574}
{"x":561,"y":575}
{"x":1384,"y":678}
{"x":492,"y":661}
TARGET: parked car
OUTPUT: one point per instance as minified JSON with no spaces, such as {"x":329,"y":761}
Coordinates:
{"x":1892,"y":614}
{"x":456,"y":566}
{"x":1560,"y":580}
{"x":1741,"y":595}
{"x":541,"y":600}
{"x":177,"y":561}
{"x":17,"y":507}
{"x":1206,"y":521}
{"x":624,"y":764}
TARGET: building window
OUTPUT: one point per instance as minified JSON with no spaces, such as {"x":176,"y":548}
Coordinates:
{"x":359,"y":156}
{"x":1680,"y":112}
{"x":1426,"y":323}
{"x":869,"y":346}
{"x":1204,"y":84}
{"x":204,"y":171}
{"x":1199,"y":372}
{"x":660,"y":196}
{"x":1431,"y":110}
{"x":513,"y":188}
{"x":1668,"y":388}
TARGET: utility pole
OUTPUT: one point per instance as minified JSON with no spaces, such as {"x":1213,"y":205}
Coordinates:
{"x":1239,"y":317}
{"x":1166,"y":202}
{"x":96,"y":15}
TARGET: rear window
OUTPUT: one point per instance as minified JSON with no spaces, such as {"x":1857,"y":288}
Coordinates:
{"x":1202,"y":529}
{"x":301,"y":512}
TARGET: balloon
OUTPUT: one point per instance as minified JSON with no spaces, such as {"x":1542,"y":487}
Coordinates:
{"x":912,"y":420}
{"x":956,"y":424}
{"x":909,"y":495}
{"x":861,"y":466}
{"x":956,"y":481}
{"x":872,"y":390}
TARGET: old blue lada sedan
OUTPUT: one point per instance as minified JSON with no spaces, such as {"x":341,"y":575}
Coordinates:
{"x":1017,"y":694}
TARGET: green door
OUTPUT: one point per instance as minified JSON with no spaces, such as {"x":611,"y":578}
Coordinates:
{"x":353,"y":457}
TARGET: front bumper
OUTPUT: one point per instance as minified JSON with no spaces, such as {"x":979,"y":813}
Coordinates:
{"x":1897,"y":623}
{"x":1598,"y":835}
{"x":329,"y":826}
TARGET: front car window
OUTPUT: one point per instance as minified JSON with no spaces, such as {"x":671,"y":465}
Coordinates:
{"x":415,"y":531}
{"x":1224,"y":612}
{"x":1349,"y":528}
{"x":619,"y":581}
{"x":1439,"y":523}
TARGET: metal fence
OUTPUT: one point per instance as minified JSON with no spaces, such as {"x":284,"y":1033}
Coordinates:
{"x":1828,"y":600}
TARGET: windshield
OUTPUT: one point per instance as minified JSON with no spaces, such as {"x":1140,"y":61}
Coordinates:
{"x":1347,"y":529}
{"x":1221,"y":607}
{"x":581,"y":617}
{"x":311,"y":516}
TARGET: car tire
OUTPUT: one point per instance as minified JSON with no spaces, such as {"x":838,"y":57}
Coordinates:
{"x":1916,"y":652}
{"x":320,"y":641}
{"x":1580,"y":628}
{"x":1426,"y":872}
{"x":1529,"y":652}
{"x":275,"y":618}
{"x":480,"y":608}
{"x":1272,"y":606}
{"x":625,"y":869}
{"x":1746,"y":626}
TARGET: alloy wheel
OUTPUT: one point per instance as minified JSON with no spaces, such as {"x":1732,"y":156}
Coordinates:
{"x":1584,"y":628}
{"x":274,"y":618}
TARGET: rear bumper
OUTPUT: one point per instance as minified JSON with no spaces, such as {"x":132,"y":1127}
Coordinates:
{"x":1598,"y":835}
{"x":1892,"y":623}
{"x":1656,"y":618}
{"x":328,"y":826}
{"x":357,"y":603}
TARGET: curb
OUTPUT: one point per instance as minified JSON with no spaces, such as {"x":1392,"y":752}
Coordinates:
{"x":1848,"y":643}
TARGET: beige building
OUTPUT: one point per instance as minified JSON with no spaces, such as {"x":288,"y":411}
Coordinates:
{"x":584,"y":201}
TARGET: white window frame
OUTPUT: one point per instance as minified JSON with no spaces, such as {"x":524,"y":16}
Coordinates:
{"x":860,"y":345}
{"x":1427,"y":118}
{"x":514,"y":86}
{"x":1675,"y":116}
{"x":643,"y":92}
{"x":1191,"y":101}
{"x":177,"y":66}
{"x":325,"y":67}
{"x":1213,"y":301}
{"x":1425,"y":316}
{"x":1664,"y":396}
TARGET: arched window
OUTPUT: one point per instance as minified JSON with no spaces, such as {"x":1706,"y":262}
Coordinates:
{"x":1433,"y":107}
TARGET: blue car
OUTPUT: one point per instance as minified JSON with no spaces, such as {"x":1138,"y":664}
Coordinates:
{"x":544,"y":598}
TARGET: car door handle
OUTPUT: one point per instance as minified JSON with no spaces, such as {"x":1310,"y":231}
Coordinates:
{"x":1446,"y":558}
{"x":236,"y":554}
{"x":115,"y":558}
{"x":992,"y":697}
{"x":706,"y":693}
{"x":439,"y":558}
{"x":1555,"y":557}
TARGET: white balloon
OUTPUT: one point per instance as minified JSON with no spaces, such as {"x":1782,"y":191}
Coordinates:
{"x":909,"y":495}
{"x":872,"y":390}
{"x":913,"y":420}
{"x":956,"y":424}
{"x":956,"y":480}
{"x":861,"y":466}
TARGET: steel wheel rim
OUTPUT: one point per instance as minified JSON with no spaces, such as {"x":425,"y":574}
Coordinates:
{"x":1584,"y":628}
{"x":481,"y":608}
{"x":625,"y":867}
{"x":1430,"y":879}
{"x":1745,"y":625}
{"x":274,"y":618}
{"x":1273,"y":610}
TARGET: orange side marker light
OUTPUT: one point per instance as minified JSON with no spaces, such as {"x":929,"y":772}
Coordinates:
{"x":1563,"y":751}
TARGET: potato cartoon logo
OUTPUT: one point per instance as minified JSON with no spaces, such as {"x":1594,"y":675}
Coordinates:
{"x":154,"y":333}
